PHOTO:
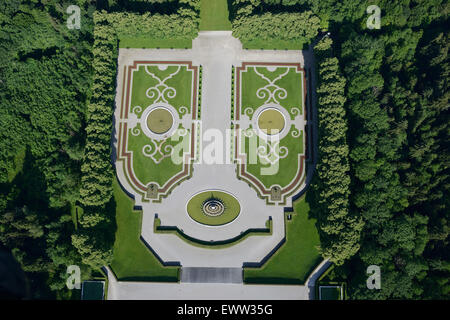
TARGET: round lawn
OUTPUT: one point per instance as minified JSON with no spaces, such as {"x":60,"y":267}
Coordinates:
{"x":271,"y":121}
{"x":159,"y":120}
{"x":199,"y":202}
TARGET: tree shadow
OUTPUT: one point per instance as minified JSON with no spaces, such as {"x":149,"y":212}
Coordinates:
{"x":29,"y":186}
{"x":167,"y":7}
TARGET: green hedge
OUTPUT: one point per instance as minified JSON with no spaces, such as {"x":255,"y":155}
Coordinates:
{"x":276,"y":31}
{"x":340,"y":229}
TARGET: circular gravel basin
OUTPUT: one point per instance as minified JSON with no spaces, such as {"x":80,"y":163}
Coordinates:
{"x":213,"y":208}
{"x":159,"y":120}
{"x":271,"y":121}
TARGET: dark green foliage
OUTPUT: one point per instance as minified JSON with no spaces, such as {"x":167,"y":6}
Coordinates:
{"x":250,"y":22}
{"x":300,"y":27}
{"x":49,"y":114}
{"x":96,"y":180}
{"x":394,"y":175}
{"x":339,"y":227}
{"x":398,"y":106}
{"x":45,"y":72}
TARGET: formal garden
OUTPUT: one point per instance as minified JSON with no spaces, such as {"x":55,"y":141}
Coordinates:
{"x":378,"y":192}
{"x":156,"y":121}
{"x":272,"y":98}
{"x":270,"y":112}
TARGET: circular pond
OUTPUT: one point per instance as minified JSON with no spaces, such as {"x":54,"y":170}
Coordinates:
{"x":159,"y":120}
{"x":213,"y":208}
{"x":271,"y":121}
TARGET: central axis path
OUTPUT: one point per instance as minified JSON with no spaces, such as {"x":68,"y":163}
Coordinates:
{"x":217,"y":52}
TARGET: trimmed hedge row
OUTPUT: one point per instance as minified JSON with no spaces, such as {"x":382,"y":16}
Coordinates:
{"x":339,"y":228}
{"x":252,"y":24}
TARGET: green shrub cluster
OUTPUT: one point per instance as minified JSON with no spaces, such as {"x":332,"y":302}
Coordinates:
{"x":92,"y":239}
{"x":252,"y":23}
{"x":232,"y":92}
{"x":200,"y":83}
{"x":45,"y":74}
{"x":297,"y":26}
{"x":96,"y":170}
{"x":156,"y":26}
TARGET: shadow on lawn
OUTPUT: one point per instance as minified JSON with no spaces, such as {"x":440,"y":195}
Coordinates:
{"x":281,"y":280}
{"x":150,"y":279}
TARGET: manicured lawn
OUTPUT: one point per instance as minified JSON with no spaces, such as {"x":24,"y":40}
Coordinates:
{"x":271,"y":121}
{"x":142,"y":81}
{"x":232,"y":208}
{"x":132,"y":259}
{"x":180,"y":79}
{"x":214,"y":15}
{"x":297,"y":257}
{"x":148,"y":43}
{"x":287,"y":167}
{"x":145,"y":168}
{"x":292,"y":82}
{"x":292,"y":101}
{"x":160,"y":120}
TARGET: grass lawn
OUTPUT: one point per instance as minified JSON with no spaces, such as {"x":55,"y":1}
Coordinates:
{"x":160,"y":120}
{"x":145,"y":168}
{"x":214,"y":245}
{"x":287,"y":167}
{"x":271,"y":121}
{"x":132,"y":259}
{"x":142,"y":81}
{"x":214,"y":15}
{"x":232,"y":208}
{"x":292,"y":82}
{"x":297,"y":257}
{"x":148,"y":43}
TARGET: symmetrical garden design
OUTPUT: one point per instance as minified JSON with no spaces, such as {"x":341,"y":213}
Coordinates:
{"x":270,"y":117}
{"x":158,"y":111}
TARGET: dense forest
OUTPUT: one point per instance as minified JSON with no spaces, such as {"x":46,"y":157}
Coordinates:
{"x":56,"y":101}
{"x":394,"y":210}
{"x":382,"y":180}
{"x":45,"y":77}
